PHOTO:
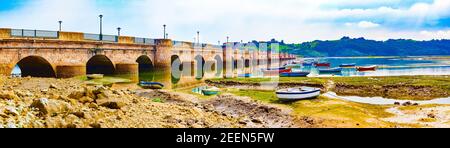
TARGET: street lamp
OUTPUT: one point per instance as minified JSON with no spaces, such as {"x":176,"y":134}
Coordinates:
{"x":165,"y":31}
{"x":228,"y":38}
{"x":60,"y":24}
{"x":198,"y":37}
{"x":118,"y":31}
{"x":167,"y":35}
{"x":101,"y":26}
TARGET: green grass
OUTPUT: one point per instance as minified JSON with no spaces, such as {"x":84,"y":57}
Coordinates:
{"x":335,"y":112}
{"x":157,"y":100}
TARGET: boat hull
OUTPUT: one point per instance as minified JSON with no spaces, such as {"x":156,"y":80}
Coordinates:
{"x":151,"y":85}
{"x":276,"y":72}
{"x":323,"y":65}
{"x":373,"y":68}
{"x":347,"y":65}
{"x":95,"y":76}
{"x":330,"y":71}
{"x":295,"y":74}
{"x":298,"y":96}
{"x":210,"y":93}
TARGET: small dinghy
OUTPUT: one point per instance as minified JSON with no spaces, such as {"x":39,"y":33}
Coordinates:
{"x":247,"y":75}
{"x":275,"y":72}
{"x":294,"y":74}
{"x":209,"y":91}
{"x":308,"y":64}
{"x":323,"y":64}
{"x":347,"y":65}
{"x":294,"y":94}
{"x":151,"y":85}
{"x":293,"y":65}
{"x":95,"y":76}
{"x":330,"y":71}
{"x":367,"y":68}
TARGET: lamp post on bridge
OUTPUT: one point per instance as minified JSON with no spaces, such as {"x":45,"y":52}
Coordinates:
{"x":228,"y":38}
{"x":60,"y":25}
{"x":165,"y":30}
{"x":118,"y":31}
{"x":167,"y":35}
{"x":198,"y":37}
{"x":101,"y":26}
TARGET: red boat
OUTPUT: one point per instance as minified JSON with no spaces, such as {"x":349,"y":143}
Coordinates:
{"x":272,"y":72}
{"x":368,"y":68}
{"x":323,"y":64}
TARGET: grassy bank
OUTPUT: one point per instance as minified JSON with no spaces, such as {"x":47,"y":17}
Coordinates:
{"x":327,"y":112}
{"x":401,"y":87}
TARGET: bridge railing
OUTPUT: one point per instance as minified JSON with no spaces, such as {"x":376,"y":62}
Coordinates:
{"x":34,"y":33}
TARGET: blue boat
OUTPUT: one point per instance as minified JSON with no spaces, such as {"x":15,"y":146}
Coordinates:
{"x":294,"y":74}
{"x":151,"y":85}
{"x":247,"y":75}
{"x":330,"y":71}
{"x":347,"y":65}
{"x":308,"y":64}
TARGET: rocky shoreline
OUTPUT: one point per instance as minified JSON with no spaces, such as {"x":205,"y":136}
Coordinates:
{"x":70,"y":103}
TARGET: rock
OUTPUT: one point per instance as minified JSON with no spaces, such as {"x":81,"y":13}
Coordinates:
{"x":8,"y":95}
{"x":51,"y":107}
{"x":111,"y":103}
{"x":71,"y":126}
{"x":9,"y":110}
{"x":431,"y":115}
{"x":86,"y":99}
{"x":79,"y":114}
{"x":407,"y":103}
{"x":11,"y":125}
{"x":53,"y":86}
{"x":93,"y":105}
{"x":416,"y":104}
{"x":397,"y":103}
{"x":95,"y":125}
{"x":257,"y":120}
{"x":77,"y":94}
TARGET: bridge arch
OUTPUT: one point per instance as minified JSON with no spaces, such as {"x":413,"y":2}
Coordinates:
{"x":100,"y":64}
{"x":36,"y":66}
{"x":145,"y":63}
{"x":219,"y":65}
{"x":200,"y":67}
{"x":177,"y":68}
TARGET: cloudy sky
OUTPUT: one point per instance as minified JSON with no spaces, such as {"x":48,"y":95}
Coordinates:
{"x":290,"y":20}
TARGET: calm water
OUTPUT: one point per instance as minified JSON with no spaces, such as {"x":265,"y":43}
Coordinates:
{"x":389,"y":66}
{"x":384,"y":101}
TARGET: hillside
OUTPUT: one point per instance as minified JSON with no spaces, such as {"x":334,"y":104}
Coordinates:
{"x":346,"y":47}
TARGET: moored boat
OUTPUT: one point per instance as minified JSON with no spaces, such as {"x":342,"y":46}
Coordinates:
{"x":330,"y":71}
{"x":347,"y":65}
{"x":293,"y":65}
{"x":209,"y":91}
{"x":295,"y":74}
{"x":95,"y":76}
{"x":151,"y":85}
{"x":275,"y":72}
{"x":367,"y":68}
{"x":308,"y":64}
{"x":247,"y":75}
{"x":323,"y":64}
{"x":294,"y":94}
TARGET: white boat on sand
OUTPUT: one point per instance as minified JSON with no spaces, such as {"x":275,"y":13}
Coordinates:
{"x":294,"y":94}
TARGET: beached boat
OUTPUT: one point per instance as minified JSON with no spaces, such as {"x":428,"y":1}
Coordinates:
{"x":330,"y":71}
{"x":295,"y":74}
{"x":247,"y":75}
{"x":95,"y":76}
{"x":293,"y":65}
{"x":275,"y":72}
{"x":151,"y":85}
{"x":367,"y":68}
{"x":347,"y":65}
{"x":308,"y":64}
{"x":323,"y":64}
{"x":294,"y":94}
{"x":209,"y":91}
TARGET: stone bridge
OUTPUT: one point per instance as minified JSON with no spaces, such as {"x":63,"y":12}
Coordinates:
{"x":71,"y":54}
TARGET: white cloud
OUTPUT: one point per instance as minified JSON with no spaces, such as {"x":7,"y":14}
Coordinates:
{"x":440,"y":34}
{"x":291,"y":20}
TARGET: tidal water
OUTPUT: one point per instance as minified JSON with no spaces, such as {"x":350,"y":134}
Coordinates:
{"x":388,"y":66}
